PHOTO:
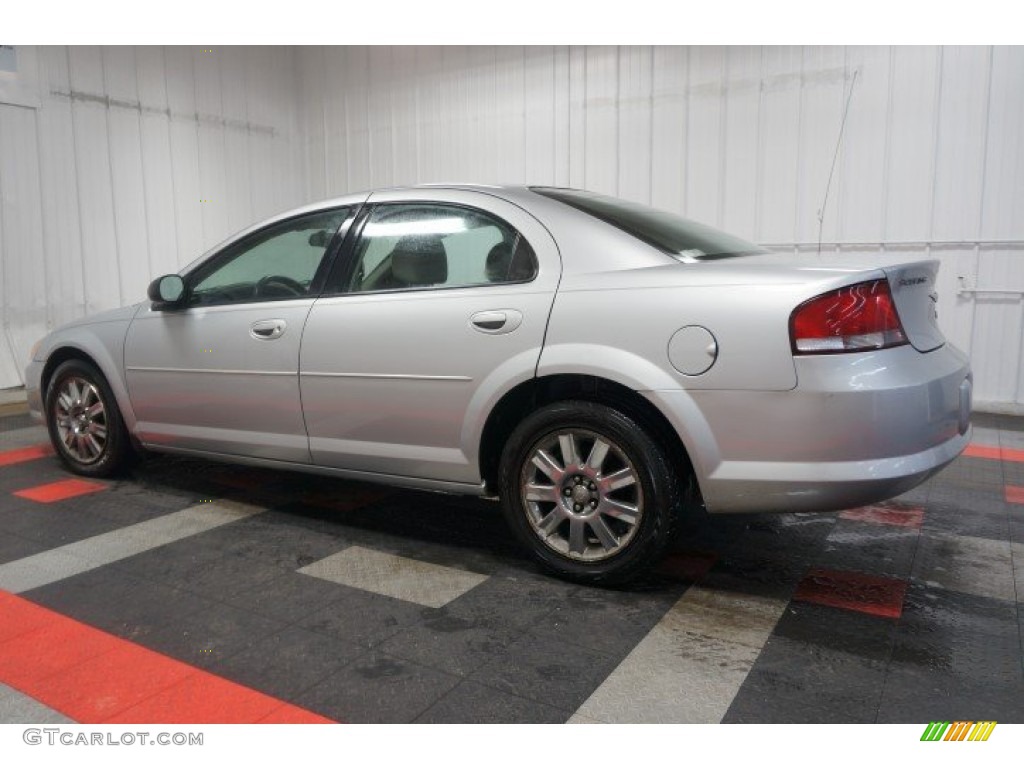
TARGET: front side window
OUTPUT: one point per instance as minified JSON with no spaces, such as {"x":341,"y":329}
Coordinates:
{"x":279,"y":262}
{"x":425,"y":245}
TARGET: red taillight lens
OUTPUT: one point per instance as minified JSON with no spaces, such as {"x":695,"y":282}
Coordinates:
{"x":856,"y":318}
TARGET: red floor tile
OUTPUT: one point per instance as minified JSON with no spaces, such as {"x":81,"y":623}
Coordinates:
{"x":861,"y":592}
{"x":62,"y":489}
{"x":1012,"y":454}
{"x":979,"y":451}
{"x":92,"y":676}
{"x":687,"y":566}
{"x":289,"y":715}
{"x":1015,"y":494}
{"x":19,"y":455}
{"x":904,"y":517}
{"x":51,"y":648}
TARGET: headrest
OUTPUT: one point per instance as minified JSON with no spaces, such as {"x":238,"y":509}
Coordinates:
{"x":419,"y":260}
{"x":505,"y":266}
{"x":498,"y":260}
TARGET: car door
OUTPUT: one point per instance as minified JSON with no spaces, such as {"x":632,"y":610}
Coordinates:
{"x":439,"y":308}
{"x":219,"y":373}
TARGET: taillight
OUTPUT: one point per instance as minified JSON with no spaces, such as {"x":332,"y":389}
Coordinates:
{"x":857,"y":318}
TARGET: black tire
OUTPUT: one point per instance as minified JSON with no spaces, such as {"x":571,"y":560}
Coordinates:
{"x":656,"y":488}
{"x":115,"y":451}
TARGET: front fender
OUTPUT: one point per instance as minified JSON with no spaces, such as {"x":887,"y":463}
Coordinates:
{"x":103,"y":343}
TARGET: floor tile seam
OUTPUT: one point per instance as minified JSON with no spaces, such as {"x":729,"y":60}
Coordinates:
{"x":293,"y":698}
{"x":519,"y":634}
{"x":1017,"y":568}
{"x":518,"y":696}
{"x":898,"y":624}
{"x":919,"y":582}
{"x":368,"y":653}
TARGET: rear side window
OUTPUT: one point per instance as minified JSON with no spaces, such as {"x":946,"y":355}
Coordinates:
{"x":425,"y":245}
{"x":678,"y":237}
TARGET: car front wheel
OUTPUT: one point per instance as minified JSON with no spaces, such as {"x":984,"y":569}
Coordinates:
{"x":84,"y":422}
{"x":589,"y":492}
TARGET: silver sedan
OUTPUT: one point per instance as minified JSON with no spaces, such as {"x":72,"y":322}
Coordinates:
{"x":601,"y":366}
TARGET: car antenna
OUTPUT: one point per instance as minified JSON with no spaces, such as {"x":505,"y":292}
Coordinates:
{"x":835,"y":156}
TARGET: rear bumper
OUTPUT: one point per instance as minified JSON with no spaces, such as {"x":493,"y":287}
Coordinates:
{"x":763,"y":486}
{"x":857,"y":429}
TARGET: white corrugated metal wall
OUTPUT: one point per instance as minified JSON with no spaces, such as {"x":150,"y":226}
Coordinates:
{"x":127,"y":163}
{"x":932,"y":160}
{"x":101,"y":184}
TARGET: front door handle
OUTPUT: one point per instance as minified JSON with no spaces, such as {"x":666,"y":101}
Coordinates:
{"x":496,"y":321}
{"x":267,"y":330}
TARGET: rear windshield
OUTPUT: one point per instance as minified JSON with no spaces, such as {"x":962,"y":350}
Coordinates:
{"x":678,"y":237}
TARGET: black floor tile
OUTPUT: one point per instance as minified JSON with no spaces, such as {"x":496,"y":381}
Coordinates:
{"x":288,"y":662}
{"x":274,"y":539}
{"x":290,"y":598}
{"x":13,"y":547}
{"x":604,"y":620}
{"x":378,"y":689}
{"x":761,"y":707}
{"x":510,"y":602}
{"x":194,"y":565}
{"x":814,"y":677}
{"x":52,"y":525}
{"x":363,"y":618}
{"x":546,"y":670}
{"x":17,"y":421}
{"x":765,"y":576}
{"x":914,"y":695}
{"x":882,"y":550}
{"x":989,"y":522}
{"x":119,"y":603}
{"x":857,"y":634}
{"x":926,"y":607}
{"x":212,"y":635}
{"x":450,"y":644}
{"x":470,"y":702}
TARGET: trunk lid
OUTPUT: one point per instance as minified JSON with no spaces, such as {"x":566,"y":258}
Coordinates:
{"x":913,"y":290}
{"x":912,"y":284}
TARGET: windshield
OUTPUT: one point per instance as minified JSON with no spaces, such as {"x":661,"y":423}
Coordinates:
{"x":678,"y":237}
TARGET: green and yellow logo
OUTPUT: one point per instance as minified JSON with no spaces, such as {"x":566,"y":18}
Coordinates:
{"x":959,"y":731}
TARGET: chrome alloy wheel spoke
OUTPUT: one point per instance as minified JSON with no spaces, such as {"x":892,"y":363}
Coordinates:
{"x":80,"y":420}
{"x":586,"y":509}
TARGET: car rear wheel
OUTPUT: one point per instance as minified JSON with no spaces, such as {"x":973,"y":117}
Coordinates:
{"x":84,"y":422}
{"x":589,"y":492}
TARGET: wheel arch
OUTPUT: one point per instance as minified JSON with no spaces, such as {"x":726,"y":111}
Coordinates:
{"x":102,"y":362}
{"x":535,"y":393}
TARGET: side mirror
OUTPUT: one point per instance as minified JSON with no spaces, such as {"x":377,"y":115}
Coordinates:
{"x":165,"y":291}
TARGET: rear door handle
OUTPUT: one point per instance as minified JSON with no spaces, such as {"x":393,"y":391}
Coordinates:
{"x":496,"y":321}
{"x":267,"y":330}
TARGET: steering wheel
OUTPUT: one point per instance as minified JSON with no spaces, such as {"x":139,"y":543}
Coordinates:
{"x":293,"y":287}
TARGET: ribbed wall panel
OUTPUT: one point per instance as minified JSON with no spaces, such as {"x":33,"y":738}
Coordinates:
{"x":103,"y":184}
{"x":931,"y":163}
{"x":134,"y":162}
